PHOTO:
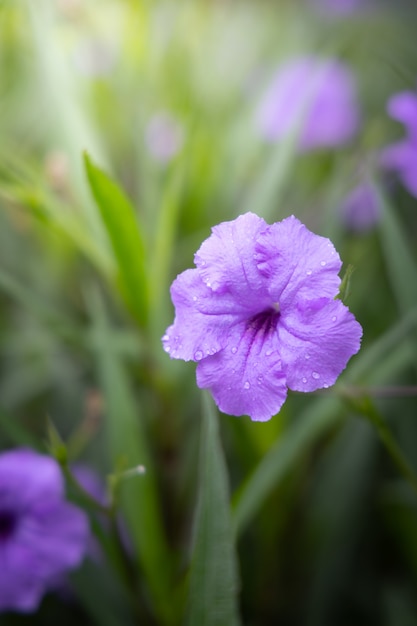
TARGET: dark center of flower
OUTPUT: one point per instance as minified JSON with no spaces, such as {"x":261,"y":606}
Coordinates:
{"x":7,"y":524}
{"x":266,"y":321}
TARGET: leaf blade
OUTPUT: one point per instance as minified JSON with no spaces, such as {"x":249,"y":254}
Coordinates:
{"x":213,"y":577}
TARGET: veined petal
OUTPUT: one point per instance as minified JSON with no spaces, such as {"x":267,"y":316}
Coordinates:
{"x":317,"y":338}
{"x":246,"y":377}
{"x":203,"y":318}
{"x":225,"y":261}
{"x":297,"y":262}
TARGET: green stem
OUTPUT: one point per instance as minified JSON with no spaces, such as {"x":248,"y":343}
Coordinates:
{"x":365,"y":407}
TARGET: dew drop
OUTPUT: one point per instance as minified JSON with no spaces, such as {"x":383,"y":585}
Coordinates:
{"x":198,"y":355}
{"x":268,"y":352}
{"x":304,"y":380}
{"x":234,"y":350}
{"x":165,"y":338}
{"x":195,"y":298}
{"x":306,"y":356}
{"x":325,"y":385}
{"x":334,"y":318}
{"x":308,"y":272}
{"x":167,"y":348}
{"x":247,"y":385}
{"x":322,"y":263}
{"x":315,"y":375}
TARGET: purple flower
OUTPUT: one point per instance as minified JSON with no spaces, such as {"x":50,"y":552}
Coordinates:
{"x":313,"y":97}
{"x":164,"y":137}
{"x":402,"y":156}
{"x":258,"y":314}
{"x":339,"y":7}
{"x":41,"y":535}
{"x":360,"y":210}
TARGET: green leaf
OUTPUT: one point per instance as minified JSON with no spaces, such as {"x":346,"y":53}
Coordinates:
{"x":345,"y":285}
{"x":128,"y":447}
{"x":214,"y":571}
{"x":400,"y":264}
{"x":126,"y":237}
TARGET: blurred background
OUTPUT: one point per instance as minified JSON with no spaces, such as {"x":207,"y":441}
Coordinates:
{"x":191,"y":108}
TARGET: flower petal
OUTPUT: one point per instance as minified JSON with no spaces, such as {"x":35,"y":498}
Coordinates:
{"x":403,"y":107}
{"x":246,"y":377}
{"x":16,"y":466}
{"x":317,"y":338}
{"x":203,"y":318}
{"x":297,"y":262}
{"x":225,"y":261}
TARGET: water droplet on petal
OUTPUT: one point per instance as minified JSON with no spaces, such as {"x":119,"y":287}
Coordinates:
{"x":315,"y":375}
{"x":268,"y":352}
{"x":167,"y":348}
{"x":198,"y":355}
{"x":304,"y":380}
{"x":307,"y":356}
{"x":195,"y":298}
{"x":165,"y":338}
{"x":334,"y":318}
{"x":322,"y":263}
{"x":325,"y":385}
{"x":308,"y":272}
{"x":247,"y":385}
{"x":234,"y":350}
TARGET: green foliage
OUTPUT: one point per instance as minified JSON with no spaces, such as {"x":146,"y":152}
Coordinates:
{"x":318,"y":509}
{"x":213,"y":574}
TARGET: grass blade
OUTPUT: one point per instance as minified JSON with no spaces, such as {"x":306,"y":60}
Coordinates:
{"x":127,"y":443}
{"x":126,"y":238}
{"x":213,"y":577}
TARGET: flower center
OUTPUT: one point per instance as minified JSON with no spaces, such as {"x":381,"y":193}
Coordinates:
{"x":7,"y":524}
{"x":267,"y":320}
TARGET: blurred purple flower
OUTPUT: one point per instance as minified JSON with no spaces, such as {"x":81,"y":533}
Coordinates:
{"x":313,"y":97}
{"x":258,"y":314}
{"x":360,"y":210}
{"x":401,"y":157}
{"x":339,"y":7}
{"x":164,"y":137}
{"x":41,"y":535}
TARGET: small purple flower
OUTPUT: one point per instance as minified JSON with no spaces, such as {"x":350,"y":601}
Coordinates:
{"x":164,"y":137}
{"x":360,"y":210}
{"x":339,"y":7}
{"x":41,"y":535}
{"x":313,"y":97}
{"x":402,"y":156}
{"x":259,"y":315}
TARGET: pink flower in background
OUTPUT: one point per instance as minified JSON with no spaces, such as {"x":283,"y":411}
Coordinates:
{"x":258,"y":314}
{"x":164,"y":137}
{"x":360,"y":210}
{"x":42,"y":536}
{"x":401,"y":157}
{"x":315,"y":98}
